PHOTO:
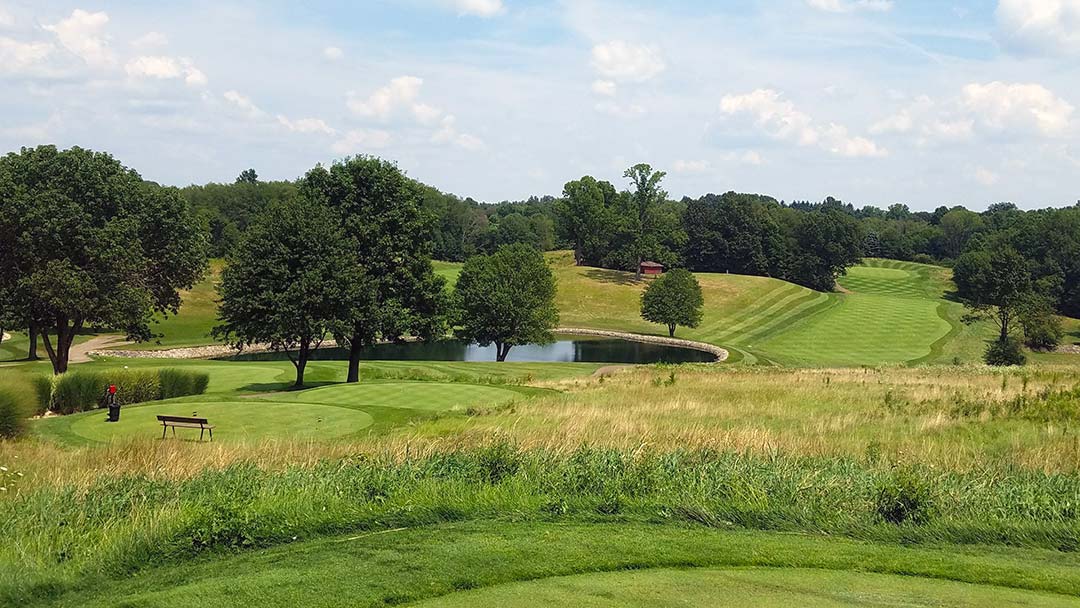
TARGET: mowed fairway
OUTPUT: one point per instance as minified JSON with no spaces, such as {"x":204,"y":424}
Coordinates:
{"x":758,"y":587}
{"x":329,"y":412}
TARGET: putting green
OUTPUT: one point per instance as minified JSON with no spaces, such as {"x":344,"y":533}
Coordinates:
{"x":762,"y":588}
{"x":233,"y":421}
{"x":427,"y":396}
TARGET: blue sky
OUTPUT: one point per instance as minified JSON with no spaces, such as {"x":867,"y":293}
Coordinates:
{"x":872,"y":101}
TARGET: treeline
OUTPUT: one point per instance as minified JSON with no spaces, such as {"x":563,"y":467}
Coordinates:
{"x":617,"y":227}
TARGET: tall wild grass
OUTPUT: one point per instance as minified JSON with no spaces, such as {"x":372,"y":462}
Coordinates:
{"x":82,"y":390}
{"x":58,"y":534}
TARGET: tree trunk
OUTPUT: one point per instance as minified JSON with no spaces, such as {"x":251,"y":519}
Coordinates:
{"x":31,"y":353}
{"x":637,"y":273}
{"x":501,"y":350}
{"x":579,"y":256}
{"x":671,"y":331}
{"x":301,"y":362}
{"x":355,"y":347}
{"x":1003,"y":322}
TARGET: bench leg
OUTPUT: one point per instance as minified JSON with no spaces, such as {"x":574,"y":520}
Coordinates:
{"x":201,"y":433}
{"x":164,"y":429}
{"x":174,"y":432}
{"x":211,"y":434}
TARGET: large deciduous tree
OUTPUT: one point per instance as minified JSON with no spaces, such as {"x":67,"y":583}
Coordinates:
{"x":673,"y":299}
{"x":87,"y":243}
{"x":994,"y":283}
{"x":826,"y":244}
{"x":585,"y":217}
{"x":293,"y":279}
{"x":380,"y":210}
{"x":646,"y":197}
{"x":507,"y":299}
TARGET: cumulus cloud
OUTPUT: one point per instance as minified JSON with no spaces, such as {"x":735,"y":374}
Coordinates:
{"x":1018,"y":107}
{"x":83,"y":35}
{"x":166,"y":68}
{"x":606,"y":88}
{"x":333,"y":53}
{"x":850,"y":6}
{"x":305,"y":125}
{"x":150,"y":40}
{"x":780,"y":119}
{"x":691,"y":166}
{"x":448,"y":134}
{"x":1040,"y":25}
{"x":16,"y":56}
{"x":625,"y":62}
{"x":360,"y":140}
{"x":399,"y":97}
{"x":6,"y":19}
{"x":244,"y":103}
{"x":478,"y":8}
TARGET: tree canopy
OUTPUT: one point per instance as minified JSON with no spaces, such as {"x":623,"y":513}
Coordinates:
{"x":507,"y":299}
{"x":380,"y":211}
{"x":86,"y":242}
{"x":673,"y":299}
{"x":293,"y":279}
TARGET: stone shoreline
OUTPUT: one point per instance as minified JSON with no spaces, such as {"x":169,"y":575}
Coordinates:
{"x":720,"y":353}
{"x":221,"y":350}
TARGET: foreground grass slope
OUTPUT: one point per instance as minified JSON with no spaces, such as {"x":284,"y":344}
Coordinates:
{"x":515,"y":564}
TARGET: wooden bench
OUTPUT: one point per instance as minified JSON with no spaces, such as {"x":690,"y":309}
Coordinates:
{"x":185,"y":422}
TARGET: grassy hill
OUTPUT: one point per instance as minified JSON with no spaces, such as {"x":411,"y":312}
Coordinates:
{"x":886,"y":312}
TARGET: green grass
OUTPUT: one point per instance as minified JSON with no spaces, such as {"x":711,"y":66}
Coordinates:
{"x":497,"y":563}
{"x":759,"y":587}
{"x":197,"y":316}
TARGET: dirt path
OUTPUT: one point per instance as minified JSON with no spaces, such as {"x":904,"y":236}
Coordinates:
{"x":80,"y":353}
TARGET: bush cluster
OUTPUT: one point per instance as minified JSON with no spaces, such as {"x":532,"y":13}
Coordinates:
{"x":83,"y":390}
{"x":1005,"y":352}
{"x":17,"y":401}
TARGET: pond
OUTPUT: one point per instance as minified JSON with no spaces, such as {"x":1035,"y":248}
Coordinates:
{"x":580,"y":349}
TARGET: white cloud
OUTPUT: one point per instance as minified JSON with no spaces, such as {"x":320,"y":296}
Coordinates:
{"x":478,"y":8}
{"x":850,"y":6}
{"x":150,"y":40}
{"x":691,"y":166}
{"x":333,"y":53}
{"x":361,"y":140}
{"x":399,"y":97}
{"x":16,"y":56}
{"x":1048,"y":25}
{"x":82,"y":34}
{"x":305,"y":125}
{"x":6,"y":19}
{"x":1018,"y":107}
{"x":165,"y":68}
{"x":625,"y":62}
{"x":606,"y":88}
{"x":985,"y":176}
{"x":780,"y":119}
{"x":448,"y":133}
{"x":244,"y":104}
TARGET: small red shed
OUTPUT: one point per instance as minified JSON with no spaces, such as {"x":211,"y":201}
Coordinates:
{"x":651,"y":268}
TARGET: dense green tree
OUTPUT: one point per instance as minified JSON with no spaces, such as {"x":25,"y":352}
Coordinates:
{"x":91,"y":244}
{"x":733,"y":233}
{"x":507,"y":299}
{"x":226,"y":210}
{"x":673,"y":299}
{"x":248,"y":176}
{"x":1042,"y":327}
{"x":381,"y":211}
{"x":293,"y":279}
{"x":825,"y":244}
{"x":994,"y":284}
{"x":585,"y":215}
{"x":645,"y":198}
{"x":958,"y":227}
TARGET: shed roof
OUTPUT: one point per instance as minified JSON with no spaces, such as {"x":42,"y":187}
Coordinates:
{"x":651,"y":265}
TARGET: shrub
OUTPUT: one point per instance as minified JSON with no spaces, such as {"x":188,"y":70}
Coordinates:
{"x":43,"y":389}
{"x":16,"y":404}
{"x":903,"y":497}
{"x":922,"y":258}
{"x":81,"y":390}
{"x":181,"y":383}
{"x":1005,"y":352}
{"x":1042,"y":332}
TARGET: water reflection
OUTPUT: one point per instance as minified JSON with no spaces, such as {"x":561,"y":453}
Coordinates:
{"x":579,"y":349}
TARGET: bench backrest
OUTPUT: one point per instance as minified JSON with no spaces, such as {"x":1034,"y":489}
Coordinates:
{"x":187,"y":419}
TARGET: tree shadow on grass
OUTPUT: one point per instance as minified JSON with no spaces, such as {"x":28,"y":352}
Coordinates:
{"x":285,"y":387}
{"x":615,"y":277}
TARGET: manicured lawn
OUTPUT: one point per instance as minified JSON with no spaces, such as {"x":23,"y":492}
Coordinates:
{"x":736,"y":588}
{"x":514,"y":564}
{"x":326,"y":413}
